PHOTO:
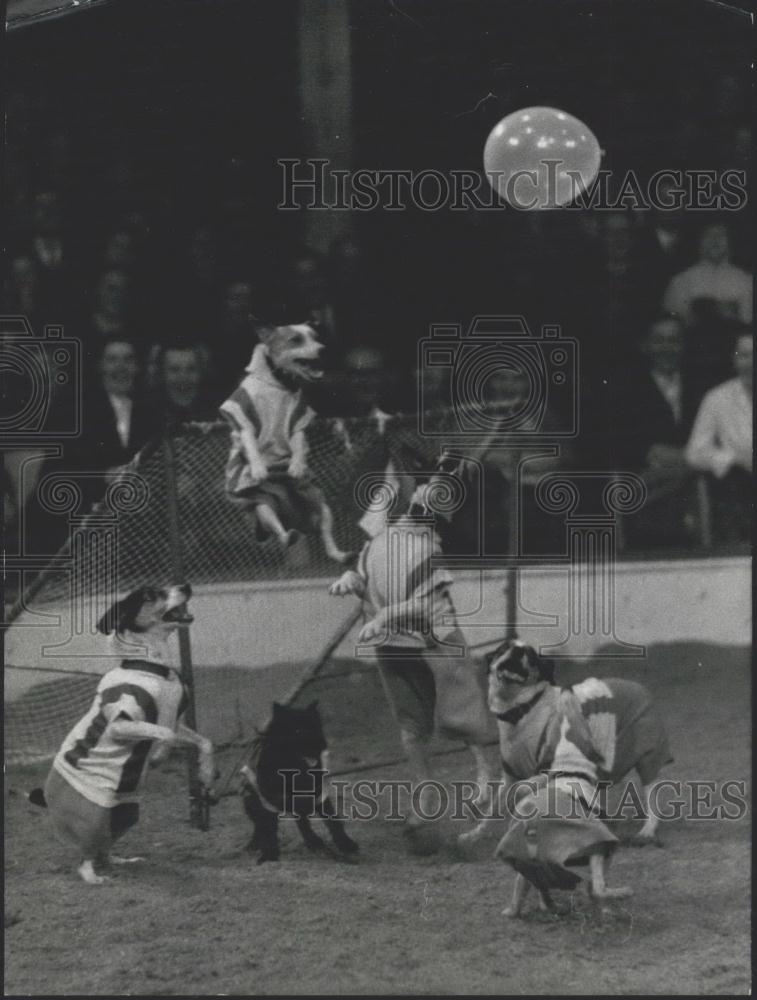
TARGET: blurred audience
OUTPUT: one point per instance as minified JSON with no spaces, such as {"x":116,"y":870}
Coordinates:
{"x":174,"y":266}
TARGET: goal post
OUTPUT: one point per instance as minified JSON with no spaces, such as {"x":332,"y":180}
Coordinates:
{"x":174,"y":522}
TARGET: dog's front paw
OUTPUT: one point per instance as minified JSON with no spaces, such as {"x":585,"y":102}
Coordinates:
{"x":620,"y":892}
{"x":258,"y":473}
{"x":511,"y":912}
{"x":316,"y":843}
{"x":373,"y":629}
{"x":297,"y":469}
{"x":645,"y":839}
{"x":468,"y":839}
{"x":267,"y":856}
{"x":347,"y":845}
{"x":87,"y":874}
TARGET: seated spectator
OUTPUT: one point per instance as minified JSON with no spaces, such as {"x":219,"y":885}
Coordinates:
{"x":116,"y":423}
{"x":110,"y":313}
{"x":713,"y":276}
{"x":120,"y":252}
{"x":366,"y":376}
{"x":182,"y":371}
{"x":721,"y":444}
{"x":22,"y":296}
{"x":49,"y":253}
{"x":650,"y":427}
{"x":236,"y":335}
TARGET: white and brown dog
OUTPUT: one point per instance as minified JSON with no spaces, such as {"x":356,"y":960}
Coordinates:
{"x":92,"y":790}
{"x":267,"y":470}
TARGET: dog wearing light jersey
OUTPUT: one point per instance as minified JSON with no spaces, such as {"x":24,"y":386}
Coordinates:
{"x":431,"y":681}
{"x":92,"y":790}
{"x":625,"y":733}
{"x":267,"y":471}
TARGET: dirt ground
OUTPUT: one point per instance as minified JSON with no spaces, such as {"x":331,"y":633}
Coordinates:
{"x":199,"y":917}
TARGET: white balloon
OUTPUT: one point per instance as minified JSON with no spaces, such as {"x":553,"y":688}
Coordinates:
{"x":540,"y":158}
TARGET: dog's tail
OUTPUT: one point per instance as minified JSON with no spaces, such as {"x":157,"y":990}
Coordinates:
{"x":37,"y":798}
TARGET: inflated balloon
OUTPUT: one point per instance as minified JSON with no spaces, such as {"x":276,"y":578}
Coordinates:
{"x":541,"y":158}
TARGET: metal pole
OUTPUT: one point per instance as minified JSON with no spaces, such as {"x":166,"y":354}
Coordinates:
{"x":199,"y":812}
{"x":513,"y":541}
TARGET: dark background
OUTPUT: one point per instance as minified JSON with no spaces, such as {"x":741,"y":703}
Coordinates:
{"x":180,"y":110}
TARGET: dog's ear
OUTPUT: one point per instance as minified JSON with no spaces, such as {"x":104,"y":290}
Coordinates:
{"x":497,"y":652}
{"x":122,"y":614}
{"x":109,"y":620}
{"x":265,"y":331}
{"x":546,"y":669}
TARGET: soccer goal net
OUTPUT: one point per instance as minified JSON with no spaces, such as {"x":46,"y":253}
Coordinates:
{"x":128,"y":540}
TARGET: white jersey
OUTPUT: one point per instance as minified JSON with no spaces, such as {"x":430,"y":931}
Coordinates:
{"x":397,"y":566}
{"x":107,"y":771}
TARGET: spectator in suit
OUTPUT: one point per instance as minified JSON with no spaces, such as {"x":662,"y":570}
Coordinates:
{"x":651,"y":424}
{"x":116,"y":423}
{"x":713,"y":276}
{"x":721,"y":444}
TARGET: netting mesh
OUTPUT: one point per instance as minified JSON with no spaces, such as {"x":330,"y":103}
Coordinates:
{"x":126,"y":542}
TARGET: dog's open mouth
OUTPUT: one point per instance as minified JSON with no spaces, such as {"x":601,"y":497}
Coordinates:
{"x":178,"y":615}
{"x":307,"y":369}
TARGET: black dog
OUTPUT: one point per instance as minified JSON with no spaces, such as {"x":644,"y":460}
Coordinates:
{"x":286,"y":777}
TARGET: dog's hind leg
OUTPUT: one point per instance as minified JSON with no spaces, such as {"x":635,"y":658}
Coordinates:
{"x":86,"y":871}
{"x":497,"y":812}
{"x":483,"y":776}
{"x":266,"y":834}
{"x":312,"y":841}
{"x":326,"y":528}
{"x":520,"y":891}
{"x":648,"y":833}
{"x":598,"y":888}
{"x":335,"y":826}
{"x":270,"y":521}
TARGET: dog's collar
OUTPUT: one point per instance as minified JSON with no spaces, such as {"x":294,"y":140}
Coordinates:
{"x":515,"y":714}
{"x":147,"y":667}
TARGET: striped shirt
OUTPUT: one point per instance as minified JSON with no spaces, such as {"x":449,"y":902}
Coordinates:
{"x":108,"y":771}
{"x":262,"y":407}
{"x":396,"y":566}
{"x":600,"y":728}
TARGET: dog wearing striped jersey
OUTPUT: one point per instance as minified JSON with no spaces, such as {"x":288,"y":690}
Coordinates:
{"x":431,"y":681}
{"x":622,"y":731}
{"x":92,"y":790}
{"x":267,"y":471}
